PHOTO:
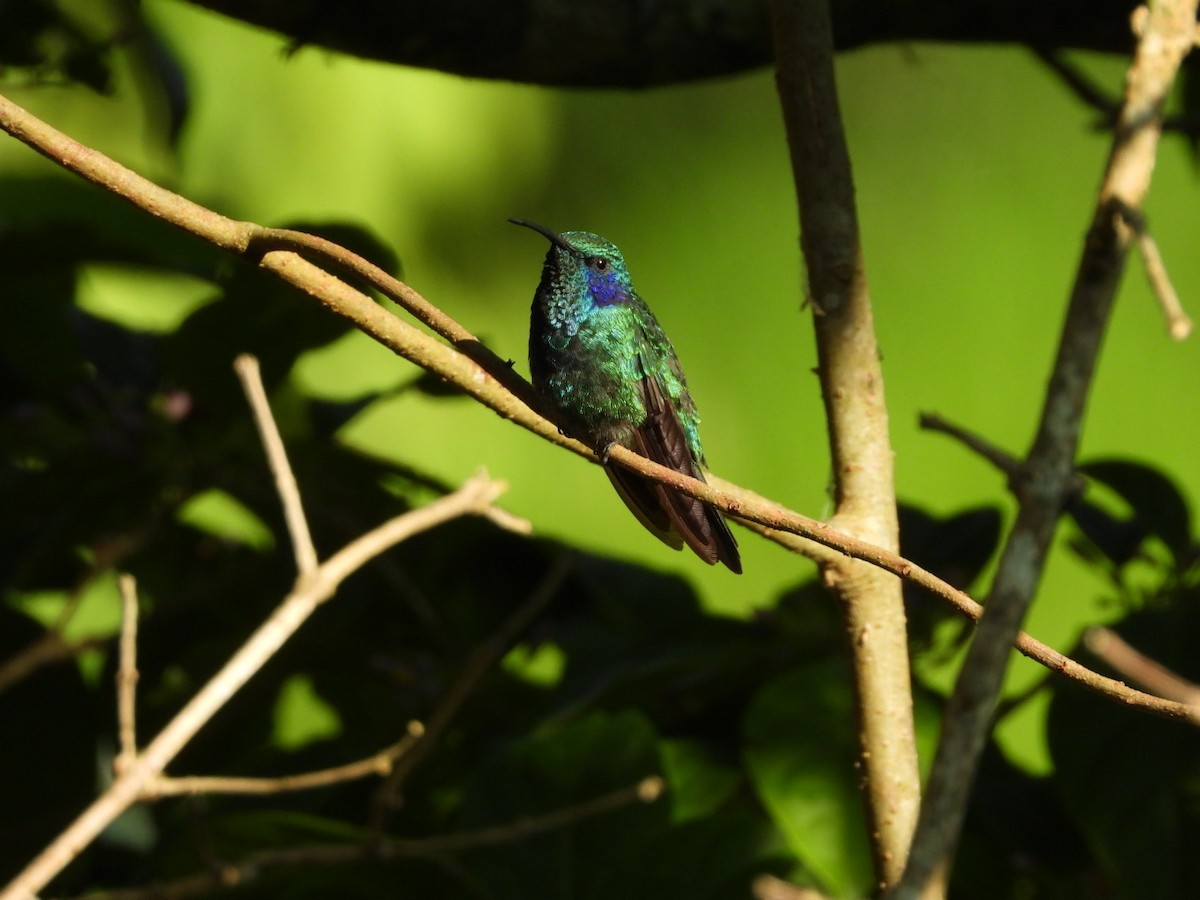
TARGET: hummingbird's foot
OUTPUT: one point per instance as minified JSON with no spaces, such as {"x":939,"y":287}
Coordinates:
{"x":605,"y":451}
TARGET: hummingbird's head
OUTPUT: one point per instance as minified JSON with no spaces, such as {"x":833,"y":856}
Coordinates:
{"x":580,"y":259}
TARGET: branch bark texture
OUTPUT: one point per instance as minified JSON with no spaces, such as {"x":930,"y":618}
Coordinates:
{"x":856,"y":413}
{"x":1167,"y":32}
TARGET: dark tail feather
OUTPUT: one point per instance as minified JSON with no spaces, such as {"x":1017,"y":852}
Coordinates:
{"x":643,"y":500}
{"x":702,"y":527}
{"x":674,"y":517}
{"x":699,"y":525}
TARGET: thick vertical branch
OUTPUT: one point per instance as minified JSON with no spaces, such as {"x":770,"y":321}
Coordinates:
{"x":1045,"y":480}
{"x":852,"y":385}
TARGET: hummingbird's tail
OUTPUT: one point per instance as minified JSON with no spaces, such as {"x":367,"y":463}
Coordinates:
{"x":677,"y":519}
{"x":672,"y":516}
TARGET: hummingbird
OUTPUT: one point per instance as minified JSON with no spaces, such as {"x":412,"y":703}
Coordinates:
{"x":604,"y":369}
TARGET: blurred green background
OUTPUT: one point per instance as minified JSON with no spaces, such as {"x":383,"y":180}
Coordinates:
{"x":976,"y":171}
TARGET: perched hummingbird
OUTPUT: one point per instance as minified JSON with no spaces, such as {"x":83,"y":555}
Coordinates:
{"x":607,"y":374}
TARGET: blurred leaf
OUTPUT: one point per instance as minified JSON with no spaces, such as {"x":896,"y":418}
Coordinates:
{"x":219,"y":514}
{"x":700,"y":783}
{"x":301,"y":716}
{"x":800,"y":749}
{"x":42,"y":37}
{"x":555,"y":771}
{"x":1159,"y":509}
{"x":1018,"y":840}
{"x":800,"y":755}
{"x":632,"y":852}
{"x":1129,"y":780}
{"x":955,"y":548}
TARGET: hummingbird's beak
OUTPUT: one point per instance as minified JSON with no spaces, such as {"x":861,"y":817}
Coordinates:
{"x":552,"y":236}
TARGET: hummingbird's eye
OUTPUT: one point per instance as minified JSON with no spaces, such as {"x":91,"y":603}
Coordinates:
{"x":599,"y":263}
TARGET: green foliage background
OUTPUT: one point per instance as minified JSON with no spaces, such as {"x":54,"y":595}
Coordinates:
{"x":975,"y":171}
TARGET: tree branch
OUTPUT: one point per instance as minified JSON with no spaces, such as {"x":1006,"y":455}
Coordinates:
{"x":127,"y":677}
{"x":862,"y":459}
{"x":1141,"y":669}
{"x":250,"y":869}
{"x":1167,"y":33}
{"x":380,"y":763}
{"x":250,"y":375}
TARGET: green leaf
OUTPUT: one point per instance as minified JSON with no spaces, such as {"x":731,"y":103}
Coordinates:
{"x":700,"y":783}
{"x":1129,"y":780}
{"x":224,"y":516}
{"x":800,"y":754}
{"x":302,"y":716}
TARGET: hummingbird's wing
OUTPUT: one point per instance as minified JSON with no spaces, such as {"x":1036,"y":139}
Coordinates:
{"x":671,"y":515}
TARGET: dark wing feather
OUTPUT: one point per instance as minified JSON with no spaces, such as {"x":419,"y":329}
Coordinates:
{"x":671,"y":515}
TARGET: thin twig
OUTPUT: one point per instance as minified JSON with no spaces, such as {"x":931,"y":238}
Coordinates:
{"x":1166,"y":34}
{"x":1141,"y":669}
{"x":127,"y":676}
{"x":248,"y":371}
{"x":46,"y":650}
{"x":1179,"y":324}
{"x":253,"y":867}
{"x":1010,"y":465}
{"x":380,"y":763}
{"x":1001,"y":459}
{"x":52,"y":647}
{"x":480,"y":662}
{"x":1079,"y":83}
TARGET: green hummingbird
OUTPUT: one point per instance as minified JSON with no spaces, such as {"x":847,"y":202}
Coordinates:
{"x":606,"y":373}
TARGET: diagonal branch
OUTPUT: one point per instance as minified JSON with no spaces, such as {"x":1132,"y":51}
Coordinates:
{"x":248,"y":371}
{"x":1167,"y":34}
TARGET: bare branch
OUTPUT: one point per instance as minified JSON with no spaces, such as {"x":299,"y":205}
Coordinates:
{"x":51,"y":647}
{"x":127,"y":677}
{"x":1179,"y":324}
{"x":46,"y":650}
{"x":1001,"y":459}
{"x":380,"y":763}
{"x":862,"y":460}
{"x":1141,"y":669}
{"x":1166,"y":34}
{"x":248,"y":870}
{"x":285,"y":481}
